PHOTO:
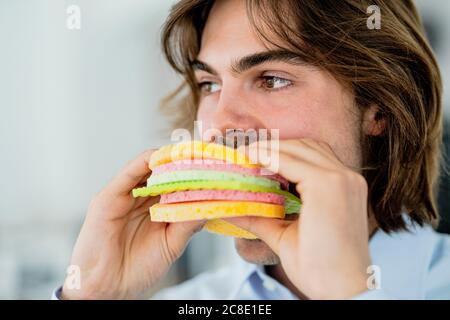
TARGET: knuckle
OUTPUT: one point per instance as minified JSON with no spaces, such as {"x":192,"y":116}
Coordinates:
{"x":148,"y":152}
{"x":337,"y":178}
{"x":102,"y":196}
{"x":100,"y":201}
{"x":347,"y":179}
{"x":360,"y":182}
{"x":128,"y":163}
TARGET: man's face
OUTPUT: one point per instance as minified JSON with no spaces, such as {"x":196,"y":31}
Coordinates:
{"x":300,"y":100}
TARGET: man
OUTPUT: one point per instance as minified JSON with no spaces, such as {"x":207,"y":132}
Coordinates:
{"x":359,"y":115}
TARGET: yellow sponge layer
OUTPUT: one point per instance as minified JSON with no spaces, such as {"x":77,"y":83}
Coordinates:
{"x":228,"y":229}
{"x":198,"y":210}
{"x":198,"y":150}
{"x":213,"y":210}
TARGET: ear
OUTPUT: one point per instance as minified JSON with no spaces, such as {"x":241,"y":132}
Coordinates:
{"x":374,"y":123}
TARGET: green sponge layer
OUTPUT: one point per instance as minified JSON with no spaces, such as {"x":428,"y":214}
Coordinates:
{"x":292,"y":203}
{"x":210,"y":175}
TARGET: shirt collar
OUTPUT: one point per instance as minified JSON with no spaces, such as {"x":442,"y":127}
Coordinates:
{"x":257,"y":284}
{"x":390,"y":252}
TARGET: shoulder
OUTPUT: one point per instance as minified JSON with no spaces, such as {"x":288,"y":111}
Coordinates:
{"x":417,"y":240}
{"x":216,"y":284}
{"x":437,"y":277}
{"x":412,"y":263}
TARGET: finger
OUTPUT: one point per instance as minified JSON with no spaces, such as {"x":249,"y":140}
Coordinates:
{"x":139,"y":202}
{"x":269,"y":230}
{"x":310,"y":150}
{"x":290,"y":167}
{"x":143,"y":181}
{"x":307,"y":150}
{"x":130,"y":176}
{"x":145,"y":204}
{"x":179,"y":233}
{"x":141,"y":215}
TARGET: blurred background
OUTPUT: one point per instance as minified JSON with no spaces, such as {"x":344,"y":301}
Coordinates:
{"x":75,"y":106}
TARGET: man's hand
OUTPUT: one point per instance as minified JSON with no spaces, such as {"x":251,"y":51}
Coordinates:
{"x":325,"y":252}
{"x":120,"y":251}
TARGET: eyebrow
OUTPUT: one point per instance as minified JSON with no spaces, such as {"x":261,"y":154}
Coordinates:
{"x":247,"y":62}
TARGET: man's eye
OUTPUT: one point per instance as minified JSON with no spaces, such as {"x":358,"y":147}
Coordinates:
{"x":208,"y":87}
{"x":274,"y":83}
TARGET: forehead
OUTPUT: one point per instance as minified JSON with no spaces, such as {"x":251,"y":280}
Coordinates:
{"x":228,"y":33}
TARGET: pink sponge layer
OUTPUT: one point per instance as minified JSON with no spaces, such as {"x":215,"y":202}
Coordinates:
{"x":235,"y":195}
{"x":219,"y":165}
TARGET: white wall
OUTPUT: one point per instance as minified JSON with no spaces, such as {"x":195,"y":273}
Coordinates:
{"x":75,"y":106}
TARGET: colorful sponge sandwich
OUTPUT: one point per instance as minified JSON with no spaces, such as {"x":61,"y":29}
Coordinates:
{"x":198,"y":180}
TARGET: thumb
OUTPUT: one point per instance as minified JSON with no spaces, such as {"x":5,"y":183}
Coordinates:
{"x":179,"y":234}
{"x":269,"y":230}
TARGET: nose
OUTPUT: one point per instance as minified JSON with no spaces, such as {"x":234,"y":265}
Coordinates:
{"x":235,"y":110}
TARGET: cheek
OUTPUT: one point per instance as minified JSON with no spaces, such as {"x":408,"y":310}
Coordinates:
{"x":324,"y":116}
{"x":203,"y":114}
{"x":296,"y":116}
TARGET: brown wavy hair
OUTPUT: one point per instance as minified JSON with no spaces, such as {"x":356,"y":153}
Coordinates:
{"x":393,"y":68}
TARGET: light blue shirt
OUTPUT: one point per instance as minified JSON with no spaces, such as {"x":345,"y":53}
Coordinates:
{"x":411,"y":265}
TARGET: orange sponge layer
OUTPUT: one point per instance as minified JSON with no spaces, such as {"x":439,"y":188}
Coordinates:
{"x":197,"y":210}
